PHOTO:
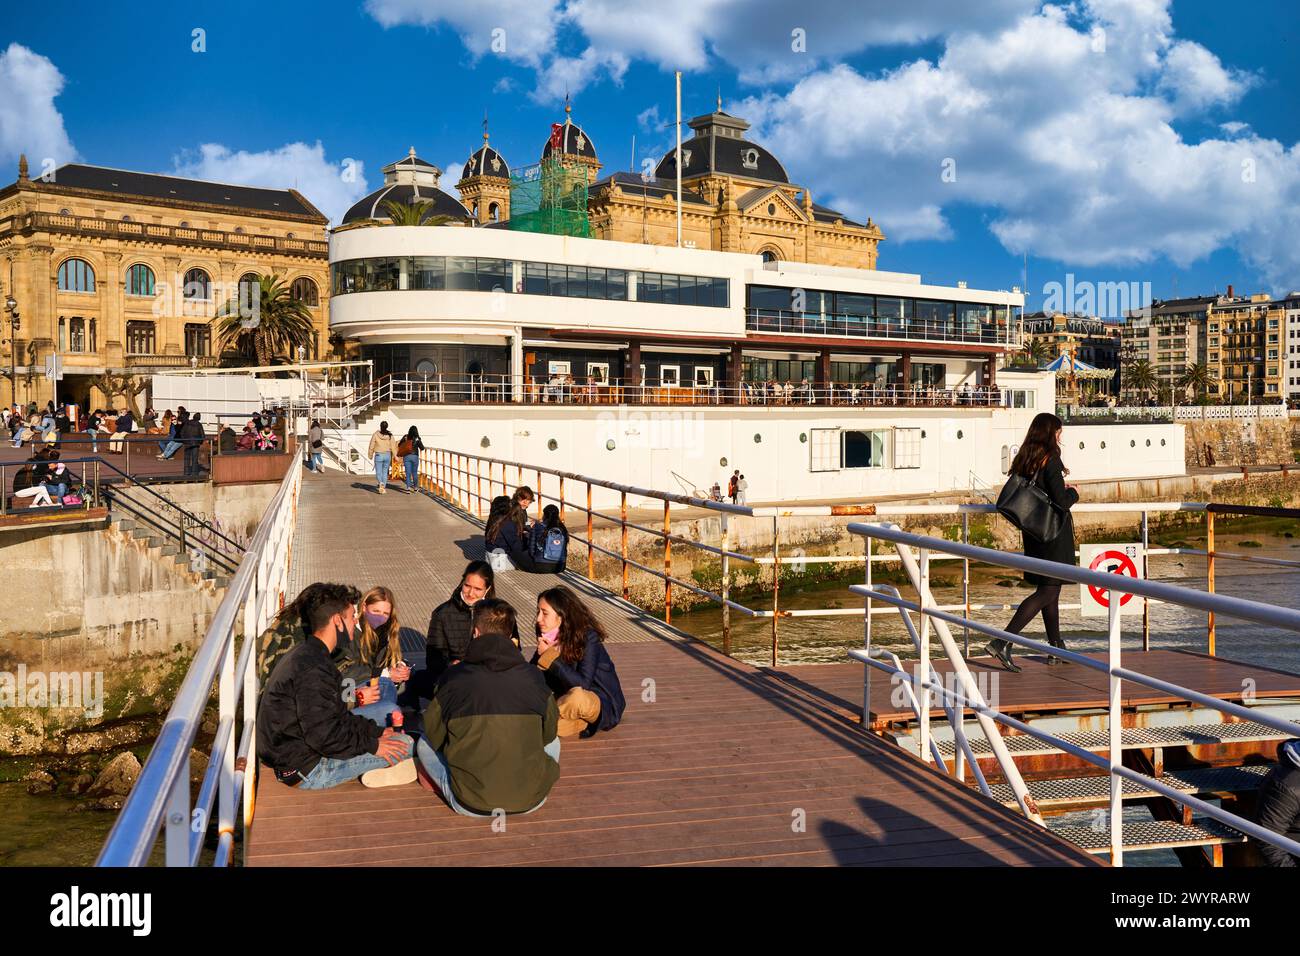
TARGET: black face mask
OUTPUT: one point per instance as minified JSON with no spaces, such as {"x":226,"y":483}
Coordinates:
{"x":341,"y":634}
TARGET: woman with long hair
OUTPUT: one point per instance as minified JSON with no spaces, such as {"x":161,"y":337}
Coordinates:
{"x":374,"y":655}
{"x":409,"y":449}
{"x":450,"y":625}
{"x":1039,"y":460}
{"x":507,"y":531}
{"x":572,"y":657}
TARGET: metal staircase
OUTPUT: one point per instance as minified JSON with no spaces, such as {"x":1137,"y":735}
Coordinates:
{"x":171,"y":531}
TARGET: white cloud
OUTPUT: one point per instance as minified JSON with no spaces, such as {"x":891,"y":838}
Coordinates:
{"x":520,"y":32}
{"x":1072,"y":148}
{"x":331,"y":186}
{"x":29,"y":121}
{"x":649,"y":118}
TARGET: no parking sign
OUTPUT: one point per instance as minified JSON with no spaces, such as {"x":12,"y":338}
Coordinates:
{"x":1123,"y":559}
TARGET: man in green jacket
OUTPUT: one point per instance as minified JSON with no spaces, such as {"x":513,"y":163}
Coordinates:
{"x":490,"y":739}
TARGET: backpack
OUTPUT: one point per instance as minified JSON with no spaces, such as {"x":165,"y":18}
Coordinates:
{"x":405,"y":447}
{"x":550,"y":545}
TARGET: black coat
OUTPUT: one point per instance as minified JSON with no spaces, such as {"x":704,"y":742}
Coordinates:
{"x":595,"y":672}
{"x":1278,"y":806}
{"x":1061,"y":548}
{"x":302,"y":718}
{"x":450,"y":631}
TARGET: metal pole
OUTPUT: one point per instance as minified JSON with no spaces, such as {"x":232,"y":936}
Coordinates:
{"x":478,"y":485}
{"x":726,"y":585}
{"x":866,"y":645}
{"x":539,"y":494}
{"x":776,"y":585}
{"x":1115,"y":743}
{"x":623,"y":522}
{"x":591,"y":554}
{"x":678,"y":160}
{"x":923,"y":666}
{"x":1146,"y":604}
{"x":562,"y":514}
{"x":668,"y":564}
{"x":965,"y":584}
{"x":1209,"y":574}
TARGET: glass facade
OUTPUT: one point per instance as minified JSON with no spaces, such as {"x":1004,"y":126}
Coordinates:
{"x":816,"y":312}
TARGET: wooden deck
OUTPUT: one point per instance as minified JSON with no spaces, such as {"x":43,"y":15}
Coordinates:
{"x":1040,"y":689}
{"x":716,"y":762}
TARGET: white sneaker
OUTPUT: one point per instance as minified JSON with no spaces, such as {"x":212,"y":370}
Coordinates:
{"x":394,"y":776}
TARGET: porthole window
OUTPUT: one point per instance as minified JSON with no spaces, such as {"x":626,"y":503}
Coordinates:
{"x":1148,"y":442}
{"x":1080,"y":446}
{"x":1103,"y":444}
{"x":722,"y":462}
{"x":609,"y":445}
{"x":485,"y":442}
{"x":803,"y":438}
{"x":959,"y":434}
{"x":757,"y":438}
{"x":552,"y":444}
{"x":1162,"y":443}
{"x":771,"y":209}
{"x":1132,"y":443}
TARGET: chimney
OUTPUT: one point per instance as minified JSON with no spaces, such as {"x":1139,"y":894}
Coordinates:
{"x":22,"y":168}
{"x":1229,"y":290}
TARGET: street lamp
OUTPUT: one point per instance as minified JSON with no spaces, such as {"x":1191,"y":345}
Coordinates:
{"x":11,"y":309}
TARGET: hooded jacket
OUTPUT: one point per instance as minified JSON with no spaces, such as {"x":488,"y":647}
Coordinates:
{"x":1278,"y":803}
{"x":302,"y":718}
{"x":491,"y":716}
{"x":595,"y":672}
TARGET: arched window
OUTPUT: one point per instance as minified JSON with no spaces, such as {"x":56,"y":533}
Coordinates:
{"x":197,"y":285}
{"x":76,"y":275}
{"x":304,"y":290}
{"x":769,"y":255}
{"x":494,"y":212}
{"x":250,"y":290}
{"x":139,"y":280}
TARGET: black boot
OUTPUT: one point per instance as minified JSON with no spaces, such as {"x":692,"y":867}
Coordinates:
{"x":1001,"y":651}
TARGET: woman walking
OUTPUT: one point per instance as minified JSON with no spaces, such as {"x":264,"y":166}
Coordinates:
{"x":409,"y":449}
{"x":383,"y":445}
{"x":1039,"y":460}
{"x":315,"y":442}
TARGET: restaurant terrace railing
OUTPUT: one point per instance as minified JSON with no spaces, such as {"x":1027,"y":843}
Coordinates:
{"x":881,"y":327}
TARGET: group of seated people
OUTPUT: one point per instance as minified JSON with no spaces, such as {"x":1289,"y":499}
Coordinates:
{"x":44,"y":481}
{"x":337,"y":692}
{"x":514,"y":542}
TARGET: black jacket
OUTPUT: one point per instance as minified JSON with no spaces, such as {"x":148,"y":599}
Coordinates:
{"x":1278,"y":806}
{"x":595,"y":672}
{"x":191,"y":433}
{"x":1061,"y":548}
{"x":509,"y":540}
{"x":450,"y":631}
{"x":302,"y":718}
{"x":491,"y":716}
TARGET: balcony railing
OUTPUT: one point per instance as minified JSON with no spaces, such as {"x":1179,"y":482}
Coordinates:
{"x":172,"y":361}
{"x":156,"y":232}
{"x":876,"y":327}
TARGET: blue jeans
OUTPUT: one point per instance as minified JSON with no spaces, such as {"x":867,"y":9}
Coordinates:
{"x":435,"y":765}
{"x":380,"y":709}
{"x":170,"y":448}
{"x":57,"y":491}
{"x":332,"y":771}
{"x":412,"y":465}
{"x":382,"y":462}
{"x":315,"y":462}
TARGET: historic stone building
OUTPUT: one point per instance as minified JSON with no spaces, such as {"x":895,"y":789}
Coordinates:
{"x":121,"y":272}
{"x":736,"y":197}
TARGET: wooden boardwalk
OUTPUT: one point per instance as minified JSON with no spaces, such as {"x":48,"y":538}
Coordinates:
{"x":716,"y":762}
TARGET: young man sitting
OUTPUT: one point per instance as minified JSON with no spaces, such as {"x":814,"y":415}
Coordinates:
{"x":490,"y":731}
{"x":305,"y":732}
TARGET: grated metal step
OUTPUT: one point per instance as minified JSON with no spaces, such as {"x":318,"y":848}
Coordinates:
{"x":1076,"y":791}
{"x":1153,"y":835}
{"x":1133,"y":738}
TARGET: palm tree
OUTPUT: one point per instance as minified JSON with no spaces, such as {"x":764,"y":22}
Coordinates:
{"x":277,"y":325}
{"x":416,"y":213}
{"x":1033,"y":352}
{"x":1140,"y":376}
{"x":1196,"y":377}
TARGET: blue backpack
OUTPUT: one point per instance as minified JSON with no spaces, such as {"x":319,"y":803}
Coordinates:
{"x":550,"y":545}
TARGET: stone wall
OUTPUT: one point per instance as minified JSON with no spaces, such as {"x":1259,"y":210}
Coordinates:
{"x":1267,"y":442}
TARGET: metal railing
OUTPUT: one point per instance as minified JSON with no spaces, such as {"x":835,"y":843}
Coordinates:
{"x":955,"y":703}
{"x":161,"y":797}
{"x":880,"y":327}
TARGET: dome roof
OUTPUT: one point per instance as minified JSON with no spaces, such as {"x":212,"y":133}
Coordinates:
{"x":573,"y":141}
{"x":486,"y":161}
{"x":407,"y":181}
{"x":717,"y":147}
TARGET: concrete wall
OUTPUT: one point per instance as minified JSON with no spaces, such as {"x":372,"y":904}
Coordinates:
{"x":680,"y":450}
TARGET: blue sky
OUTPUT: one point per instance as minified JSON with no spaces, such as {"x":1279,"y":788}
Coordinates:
{"x":1115,"y":140}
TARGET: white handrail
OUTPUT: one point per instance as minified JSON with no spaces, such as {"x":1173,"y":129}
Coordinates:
{"x":161,"y":795}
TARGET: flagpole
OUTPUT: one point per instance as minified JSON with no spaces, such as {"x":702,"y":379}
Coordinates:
{"x":679,"y":159}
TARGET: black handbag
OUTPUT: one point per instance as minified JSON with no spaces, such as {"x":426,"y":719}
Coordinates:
{"x":1031,"y":509}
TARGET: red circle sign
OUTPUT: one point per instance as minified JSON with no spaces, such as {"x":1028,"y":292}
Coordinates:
{"x":1126,"y":566}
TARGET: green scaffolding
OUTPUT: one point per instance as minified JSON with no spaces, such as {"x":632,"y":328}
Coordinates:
{"x":550,"y":197}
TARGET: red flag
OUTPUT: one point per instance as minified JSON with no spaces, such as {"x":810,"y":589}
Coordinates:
{"x":557,"y":136}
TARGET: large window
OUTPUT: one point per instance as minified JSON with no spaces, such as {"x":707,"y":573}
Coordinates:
{"x":197,"y":285}
{"x":139,"y":338}
{"x":250,"y":293}
{"x":198,"y":339}
{"x":672,"y":289}
{"x":139,"y":280}
{"x":76,"y":275}
{"x":76,"y":334}
{"x":863,"y":449}
{"x":304,"y":290}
